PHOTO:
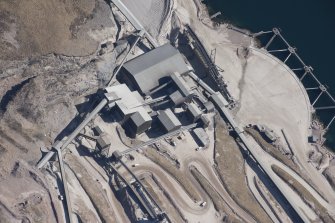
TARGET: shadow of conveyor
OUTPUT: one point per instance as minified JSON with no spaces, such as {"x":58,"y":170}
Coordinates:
{"x":83,"y":109}
{"x":272,"y":188}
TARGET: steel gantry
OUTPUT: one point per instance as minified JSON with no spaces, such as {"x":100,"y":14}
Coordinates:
{"x":308,"y":70}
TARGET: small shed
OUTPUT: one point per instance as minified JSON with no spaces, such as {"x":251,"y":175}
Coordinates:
{"x":177,"y":98}
{"x":201,"y":137}
{"x":314,"y":138}
{"x":193,"y":112}
{"x":209,"y":106}
{"x":103,"y":144}
{"x":117,"y":155}
{"x":168,"y":120}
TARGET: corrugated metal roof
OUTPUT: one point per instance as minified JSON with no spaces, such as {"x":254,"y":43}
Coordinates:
{"x":194,"y":110}
{"x":219,"y":100}
{"x":169,"y":120}
{"x":130,"y":101}
{"x":177,"y":98}
{"x":181,"y":84}
{"x":148,"y":68}
{"x":201,"y":136}
{"x":139,"y":118}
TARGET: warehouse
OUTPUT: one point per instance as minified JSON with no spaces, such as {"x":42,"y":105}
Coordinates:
{"x":149,"y":70}
{"x":168,"y":120}
{"x":138,"y":123}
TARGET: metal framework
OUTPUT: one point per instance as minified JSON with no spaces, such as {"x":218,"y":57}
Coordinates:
{"x":209,"y":62}
{"x":308,"y":70}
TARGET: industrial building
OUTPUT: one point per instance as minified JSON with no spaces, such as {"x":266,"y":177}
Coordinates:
{"x":130,"y":106}
{"x":161,"y":73}
{"x":181,"y":84}
{"x":177,"y":98}
{"x":193,"y":112}
{"x":150,"y":70}
{"x":103,"y":144}
{"x":209,"y":106}
{"x":205,"y":121}
{"x":168,"y":120}
{"x":137,"y":124}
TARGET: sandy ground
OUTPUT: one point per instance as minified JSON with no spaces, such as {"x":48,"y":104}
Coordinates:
{"x":48,"y":63}
{"x":263,"y":86}
{"x":35,"y":27}
{"x":25,"y":197}
{"x":51,"y":60}
{"x":159,"y":11}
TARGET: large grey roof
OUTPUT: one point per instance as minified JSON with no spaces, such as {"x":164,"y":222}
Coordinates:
{"x":148,"y":68}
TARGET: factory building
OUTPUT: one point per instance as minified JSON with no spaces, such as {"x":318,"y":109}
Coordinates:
{"x":137,"y":123}
{"x":181,"y":85}
{"x":130,"y":106}
{"x":168,"y":120}
{"x":183,"y":93}
{"x":150,"y":70}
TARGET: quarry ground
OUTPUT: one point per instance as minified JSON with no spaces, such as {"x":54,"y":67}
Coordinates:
{"x":50,"y":68}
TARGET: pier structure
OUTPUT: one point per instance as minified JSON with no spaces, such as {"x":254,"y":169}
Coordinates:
{"x":308,"y":70}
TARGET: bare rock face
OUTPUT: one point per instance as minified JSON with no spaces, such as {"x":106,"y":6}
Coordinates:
{"x":37,"y":27}
{"x":25,"y":196}
{"x":48,"y":65}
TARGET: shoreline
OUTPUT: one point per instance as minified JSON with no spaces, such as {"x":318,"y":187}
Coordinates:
{"x":327,"y":144}
{"x":327,"y":154}
{"x":252,"y":114}
{"x":258,"y":44}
